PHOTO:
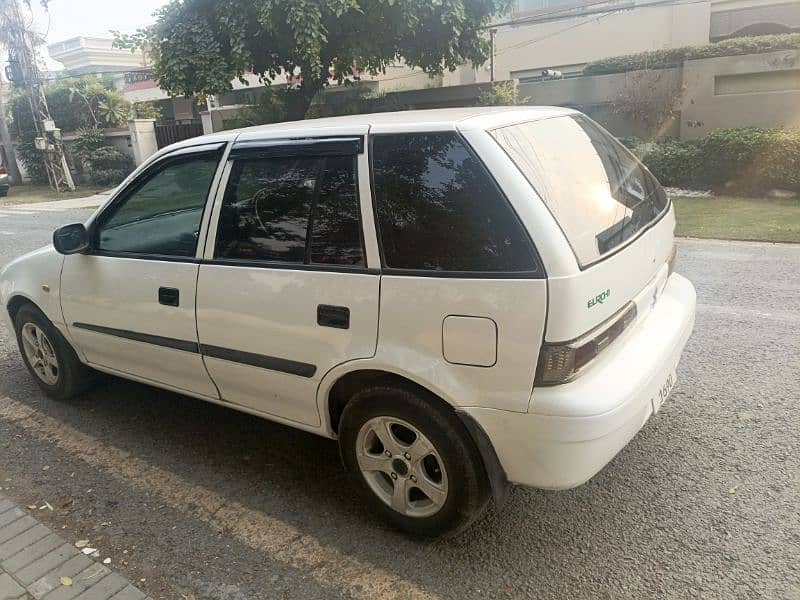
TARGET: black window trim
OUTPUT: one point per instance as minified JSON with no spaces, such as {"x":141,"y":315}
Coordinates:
{"x":297,"y":147}
{"x":539,"y":273}
{"x":627,"y":242}
{"x":179,"y":155}
{"x":306,"y":265}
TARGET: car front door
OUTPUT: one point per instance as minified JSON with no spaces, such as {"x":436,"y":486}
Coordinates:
{"x":129,"y":303}
{"x":285,"y":292}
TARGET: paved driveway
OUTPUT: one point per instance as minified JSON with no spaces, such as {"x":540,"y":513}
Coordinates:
{"x":196,"y":501}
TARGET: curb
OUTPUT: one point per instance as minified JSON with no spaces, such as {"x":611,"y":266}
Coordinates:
{"x":36,"y":563}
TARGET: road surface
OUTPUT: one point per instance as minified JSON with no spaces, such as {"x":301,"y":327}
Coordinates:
{"x":197,"y":501}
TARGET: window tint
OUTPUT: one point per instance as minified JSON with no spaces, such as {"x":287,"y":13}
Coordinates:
{"x":271,"y":205}
{"x":162,"y":214}
{"x":438,"y":208}
{"x":599,"y":193}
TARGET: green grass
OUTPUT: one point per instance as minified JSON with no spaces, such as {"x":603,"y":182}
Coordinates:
{"x":731,"y":218}
{"x":28,"y":194}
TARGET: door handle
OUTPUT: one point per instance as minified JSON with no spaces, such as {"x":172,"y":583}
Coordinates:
{"x":333,"y":316}
{"x":169,"y":296}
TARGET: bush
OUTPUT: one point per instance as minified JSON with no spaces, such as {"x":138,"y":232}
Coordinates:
{"x":503,"y":93}
{"x":674,"y":163}
{"x":674,"y":57}
{"x":745,"y":161}
{"x":102,"y":163}
{"x":148,"y":110}
{"x":108,"y":166}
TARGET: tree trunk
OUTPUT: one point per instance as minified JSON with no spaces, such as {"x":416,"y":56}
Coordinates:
{"x":11,"y":158}
{"x":299,"y":101}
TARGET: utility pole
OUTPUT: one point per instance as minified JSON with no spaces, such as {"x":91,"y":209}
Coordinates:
{"x":5,"y":138}
{"x":24,"y":71}
{"x":492,"y":35}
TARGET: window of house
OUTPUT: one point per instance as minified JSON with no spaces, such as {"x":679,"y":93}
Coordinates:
{"x":301,"y":210}
{"x":438,"y":209}
{"x":161,"y":214}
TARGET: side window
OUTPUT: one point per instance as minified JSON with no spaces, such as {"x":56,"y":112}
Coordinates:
{"x":439,"y":210}
{"x":301,"y":210}
{"x":162,"y":213}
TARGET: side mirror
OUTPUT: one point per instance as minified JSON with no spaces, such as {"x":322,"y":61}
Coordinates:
{"x":71,"y":239}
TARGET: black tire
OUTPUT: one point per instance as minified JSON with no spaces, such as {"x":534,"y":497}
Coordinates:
{"x":73,"y":376}
{"x":468,"y":492}
{"x":3,"y":193}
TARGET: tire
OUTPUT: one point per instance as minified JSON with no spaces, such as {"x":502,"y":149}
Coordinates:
{"x":3,"y":192}
{"x":59,"y":372}
{"x":444,"y":461}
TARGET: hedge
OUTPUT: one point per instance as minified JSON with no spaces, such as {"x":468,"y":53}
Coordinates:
{"x":674,"y":57}
{"x":750,"y":160}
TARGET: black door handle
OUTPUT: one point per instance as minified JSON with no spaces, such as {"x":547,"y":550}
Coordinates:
{"x":169,"y":296}
{"x":333,"y":316}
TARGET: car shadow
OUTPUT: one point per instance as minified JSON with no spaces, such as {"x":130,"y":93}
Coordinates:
{"x":537,"y":539}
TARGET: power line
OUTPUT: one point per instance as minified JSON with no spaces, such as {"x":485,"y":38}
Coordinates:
{"x":25,"y":72}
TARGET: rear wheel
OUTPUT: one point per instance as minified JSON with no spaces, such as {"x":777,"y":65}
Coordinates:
{"x":413,"y":460}
{"x":48,"y":356}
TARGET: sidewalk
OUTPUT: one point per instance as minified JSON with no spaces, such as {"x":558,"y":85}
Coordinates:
{"x":36,"y":563}
{"x":71,"y":203}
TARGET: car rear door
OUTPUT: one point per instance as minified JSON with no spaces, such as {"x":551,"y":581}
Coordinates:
{"x":285,"y":292}
{"x":129,"y":303}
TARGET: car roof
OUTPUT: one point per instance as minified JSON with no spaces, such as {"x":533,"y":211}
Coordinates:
{"x":410,"y":120}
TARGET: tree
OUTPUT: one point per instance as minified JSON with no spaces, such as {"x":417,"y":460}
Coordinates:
{"x":200,"y":46}
{"x":7,"y":39}
{"x":99,"y":100}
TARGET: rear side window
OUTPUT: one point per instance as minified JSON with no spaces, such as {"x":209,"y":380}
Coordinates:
{"x":438,"y":209}
{"x":599,"y":193}
{"x":301,"y":210}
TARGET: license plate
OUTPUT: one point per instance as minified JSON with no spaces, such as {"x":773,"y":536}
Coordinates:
{"x":663,"y":391}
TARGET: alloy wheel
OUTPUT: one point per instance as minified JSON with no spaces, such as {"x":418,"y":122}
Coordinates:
{"x":402,"y":466}
{"x":40,"y":353}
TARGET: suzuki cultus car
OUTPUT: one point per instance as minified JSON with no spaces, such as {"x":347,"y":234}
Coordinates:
{"x":464,"y":298}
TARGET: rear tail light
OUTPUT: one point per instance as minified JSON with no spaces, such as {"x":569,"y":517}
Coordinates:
{"x":2,"y":170}
{"x":560,"y":363}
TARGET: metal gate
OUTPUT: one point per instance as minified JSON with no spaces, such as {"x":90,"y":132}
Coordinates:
{"x":169,"y":134}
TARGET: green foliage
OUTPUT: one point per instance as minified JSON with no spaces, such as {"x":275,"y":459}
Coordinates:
{"x":674,"y":57}
{"x":503,"y":93}
{"x":75,"y":103}
{"x":199,"y":46}
{"x":674,"y":163}
{"x":101,"y":163}
{"x":97,"y":100}
{"x":746,"y":161}
{"x":148,"y":110}
{"x":22,"y":128}
{"x":114,"y":110}
{"x":268,"y":107}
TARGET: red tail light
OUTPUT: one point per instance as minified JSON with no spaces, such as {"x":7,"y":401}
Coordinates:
{"x":560,"y":363}
{"x":2,"y":170}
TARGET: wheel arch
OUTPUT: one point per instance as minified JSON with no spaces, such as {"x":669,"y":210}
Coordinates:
{"x":16,"y":302}
{"x":347,"y":384}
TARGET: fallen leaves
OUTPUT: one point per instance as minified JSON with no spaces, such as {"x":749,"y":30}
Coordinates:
{"x":67,"y":581}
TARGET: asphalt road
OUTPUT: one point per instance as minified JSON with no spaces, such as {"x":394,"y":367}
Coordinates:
{"x":196,"y":501}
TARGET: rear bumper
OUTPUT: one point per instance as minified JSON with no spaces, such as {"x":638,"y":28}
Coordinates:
{"x":573,"y":430}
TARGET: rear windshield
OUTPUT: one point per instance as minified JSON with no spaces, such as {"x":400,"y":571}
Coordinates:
{"x":599,"y":193}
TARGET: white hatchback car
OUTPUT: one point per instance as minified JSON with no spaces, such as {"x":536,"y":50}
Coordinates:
{"x":465,"y":298}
